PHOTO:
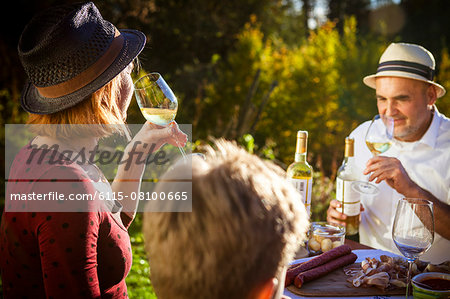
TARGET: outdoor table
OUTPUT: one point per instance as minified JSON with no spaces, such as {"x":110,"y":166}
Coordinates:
{"x":355,"y":245}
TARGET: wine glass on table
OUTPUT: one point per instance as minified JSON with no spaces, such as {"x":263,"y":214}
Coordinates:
{"x":157,"y":101}
{"x":413,"y":230}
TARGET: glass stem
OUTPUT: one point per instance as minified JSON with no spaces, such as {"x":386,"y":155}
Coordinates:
{"x":408,"y":278}
{"x":183,"y":153}
{"x":180,"y":148}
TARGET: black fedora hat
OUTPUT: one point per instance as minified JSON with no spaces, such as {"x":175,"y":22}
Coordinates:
{"x":68,"y":52}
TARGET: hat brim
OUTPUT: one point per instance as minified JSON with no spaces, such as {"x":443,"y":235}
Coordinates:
{"x":370,"y":80}
{"x":32,"y":101}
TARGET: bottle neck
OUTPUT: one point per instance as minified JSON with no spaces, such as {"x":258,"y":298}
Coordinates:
{"x":349,"y":151}
{"x":300,"y":157}
{"x":348,"y":171}
{"x":349,"y":148}
{"x":349,"y":158}
{"x":301,"y":149}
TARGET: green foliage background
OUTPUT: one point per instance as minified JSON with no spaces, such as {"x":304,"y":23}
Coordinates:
{"x":253,"y":71}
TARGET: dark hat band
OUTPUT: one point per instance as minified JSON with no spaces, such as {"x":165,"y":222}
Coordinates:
{"x":406,"y":66}
{"x":88,"y":75}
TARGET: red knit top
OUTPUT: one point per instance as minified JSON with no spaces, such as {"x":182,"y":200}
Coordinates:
{"x":46,"y":253}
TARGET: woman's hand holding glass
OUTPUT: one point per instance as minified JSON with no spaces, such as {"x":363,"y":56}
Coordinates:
{"x":159,"y":106}
{"x":157,"y":136}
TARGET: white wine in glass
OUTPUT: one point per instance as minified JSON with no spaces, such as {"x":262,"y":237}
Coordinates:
{"x":157,"y":101}
{"x":160,"y":117}
{"x":379,"y":138}
{"x":413,"y":230}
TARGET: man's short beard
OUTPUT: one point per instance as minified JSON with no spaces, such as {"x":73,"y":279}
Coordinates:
{"x":407,"y":131}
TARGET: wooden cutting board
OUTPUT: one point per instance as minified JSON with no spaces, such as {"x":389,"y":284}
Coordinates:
{"x":335,"y":284}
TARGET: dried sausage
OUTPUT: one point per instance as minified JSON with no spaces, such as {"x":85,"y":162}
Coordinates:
{"x":324,"y":269}
{"x":316,"y":261}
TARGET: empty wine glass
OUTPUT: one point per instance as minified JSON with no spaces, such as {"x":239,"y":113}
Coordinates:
{"x":157,"y":101}
{"x":379,"y":137}
{"x":413,"y":230}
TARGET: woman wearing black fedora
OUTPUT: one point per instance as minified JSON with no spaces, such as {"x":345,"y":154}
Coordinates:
{"x":78,"y":67}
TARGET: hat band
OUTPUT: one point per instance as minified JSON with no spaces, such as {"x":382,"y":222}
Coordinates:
{"x":408,"y":67}
{"x":88,"y":75}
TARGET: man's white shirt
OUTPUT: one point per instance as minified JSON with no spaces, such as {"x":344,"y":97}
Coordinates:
{"x":427,"y":162}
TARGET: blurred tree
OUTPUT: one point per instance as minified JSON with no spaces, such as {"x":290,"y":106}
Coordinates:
{"x":284,"y":20}
{"x":183,"y":32}
{"x":225,"y":98}
{"x":443,"y":78}
{"x":319,"y":89}
{"x":338,"y":10}
{"x":187,"y":38}
{"x":306,"y":9}
{"x":427,"y":24}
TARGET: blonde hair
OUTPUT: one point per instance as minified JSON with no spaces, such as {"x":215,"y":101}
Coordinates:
{"x":100,"y":112}
{"x":246,"y":223}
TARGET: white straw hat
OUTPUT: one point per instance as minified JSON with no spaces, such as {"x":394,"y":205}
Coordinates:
{"x":406,"y":61}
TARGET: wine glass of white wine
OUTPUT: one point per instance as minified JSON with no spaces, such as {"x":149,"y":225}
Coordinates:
{"x":380,"y":134}
{"x":413,"y":230}
{"x":157,"y":101}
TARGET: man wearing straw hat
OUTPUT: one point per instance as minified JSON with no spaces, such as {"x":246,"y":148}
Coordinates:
{"x":418,"y":162}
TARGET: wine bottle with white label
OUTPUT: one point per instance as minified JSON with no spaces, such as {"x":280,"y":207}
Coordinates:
{"x":300,"y":173}
{"x":349,"y":199}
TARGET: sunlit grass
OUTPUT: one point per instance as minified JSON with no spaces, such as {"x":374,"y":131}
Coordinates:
{"x":138,"y":280}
